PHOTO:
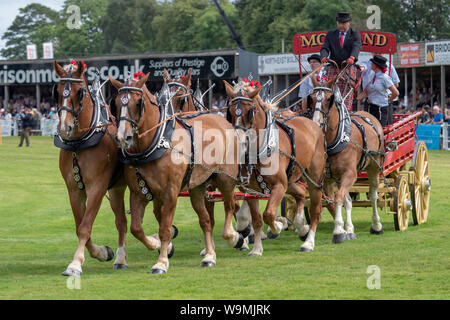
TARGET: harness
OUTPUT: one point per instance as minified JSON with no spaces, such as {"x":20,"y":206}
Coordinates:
{"x":269,"y":143}
{"x":160,"y":144}
{"x":92,"y":137}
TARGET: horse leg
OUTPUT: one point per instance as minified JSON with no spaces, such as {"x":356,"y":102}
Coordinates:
{"x":349,"y":228}
{"x":197,"y":197}
{"x":257,"y":224}
{"x":116,"y":199}
{"x":243,"y":219}
{"x":372,"y":173}
{"x":347,"y":180}
{"x":315,"y":212}
{"x":166,"y":207}
{"x":137,"y":206}
{"x":299,"y":194}
{"x":276,"y":196}
{"x":226,"y":187}
{"x":210,"y":208}
{"x":102,"y":253}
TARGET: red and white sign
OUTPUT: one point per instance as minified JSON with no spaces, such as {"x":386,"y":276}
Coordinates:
{"x":31,"y":52}
{"x":48,"y":50}
{"x":409,"y":55}
{"x":377,"y":42}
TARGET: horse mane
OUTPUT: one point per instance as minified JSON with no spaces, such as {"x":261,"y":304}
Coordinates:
{"x":247,"y":89}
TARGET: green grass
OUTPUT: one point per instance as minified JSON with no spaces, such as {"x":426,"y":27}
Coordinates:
{"x":38,"y":240}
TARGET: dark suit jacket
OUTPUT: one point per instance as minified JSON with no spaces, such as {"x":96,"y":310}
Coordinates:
{"x":352,"y":45}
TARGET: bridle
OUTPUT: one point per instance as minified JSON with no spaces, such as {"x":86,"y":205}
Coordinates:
{"x":125,"y":100}
{"x":67,"y":94}
{"x":318,"y":107}
{"x":184,"y":97}
{"x":238,"y":112}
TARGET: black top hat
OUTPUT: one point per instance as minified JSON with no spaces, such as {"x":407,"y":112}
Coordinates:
{"x":314,"y":57}
{"x":379,"y":61}
{"x":343,"y":17}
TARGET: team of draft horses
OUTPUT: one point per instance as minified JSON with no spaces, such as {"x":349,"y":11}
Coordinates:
{"x":135,"y":140}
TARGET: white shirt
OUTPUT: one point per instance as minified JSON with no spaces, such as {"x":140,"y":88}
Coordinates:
{"x":377,"y":91}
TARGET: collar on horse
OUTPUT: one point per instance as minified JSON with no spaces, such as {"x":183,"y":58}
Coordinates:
{"x":100,"y":117}
{"x":344,"y":129}
{"x":163,"y":136}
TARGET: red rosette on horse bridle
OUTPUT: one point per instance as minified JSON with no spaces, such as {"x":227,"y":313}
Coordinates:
{"x":75,"y":64}
{"x":138,"y":75}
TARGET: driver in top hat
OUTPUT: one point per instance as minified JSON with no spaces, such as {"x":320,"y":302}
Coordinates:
{"x":342,"y":46}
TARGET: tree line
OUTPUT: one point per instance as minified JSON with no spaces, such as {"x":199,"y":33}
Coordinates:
{"x":155,"y":26}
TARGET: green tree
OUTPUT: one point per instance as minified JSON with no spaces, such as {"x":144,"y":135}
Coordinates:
{"x":35,"y":24}
{"x":89,"y":39}
{"x":210,"y":31}
{"x":127,"y":26}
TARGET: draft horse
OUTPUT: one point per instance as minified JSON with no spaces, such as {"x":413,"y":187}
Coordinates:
{"x":355,"y":142}
{"x":283,"y":152}
{"x":164,"y":156}
{"x":88,"y":163}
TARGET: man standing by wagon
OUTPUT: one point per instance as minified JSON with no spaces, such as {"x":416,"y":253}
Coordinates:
{"x":342,"y":46}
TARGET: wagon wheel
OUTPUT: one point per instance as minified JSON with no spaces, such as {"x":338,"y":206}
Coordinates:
{"x":421,"y":186}
{"x":402,"y":204}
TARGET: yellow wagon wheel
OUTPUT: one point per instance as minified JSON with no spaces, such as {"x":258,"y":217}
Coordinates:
{"x":421,"y":186}
{"x":402,"y":203}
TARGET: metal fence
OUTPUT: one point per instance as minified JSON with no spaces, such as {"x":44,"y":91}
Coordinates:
{"x":446,"y":136}
{"x":46,"y":127}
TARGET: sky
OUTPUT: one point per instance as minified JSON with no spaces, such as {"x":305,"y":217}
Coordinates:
{"x":10,"y":9}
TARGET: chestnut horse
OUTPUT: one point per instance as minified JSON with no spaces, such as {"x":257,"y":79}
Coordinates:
{"x":184,"y":163}
{"x":349,"y":152}
{"x":276,"y":164}
{"x":87,"y":162}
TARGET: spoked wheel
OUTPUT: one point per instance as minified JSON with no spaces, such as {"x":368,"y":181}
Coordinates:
{"x":402,"y":203}
{"x":420,"y":189}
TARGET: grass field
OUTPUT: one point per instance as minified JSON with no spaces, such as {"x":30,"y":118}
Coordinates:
{"x":38,"y":240}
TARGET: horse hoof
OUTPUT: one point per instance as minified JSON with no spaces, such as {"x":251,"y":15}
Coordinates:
{"x":208,"y":264}
{"x":376,"y":232}
{"x":303,"y":238}
{"x":69,"y":272}
{"x":119,"y":266}
{"x":158,"y":271}
{"x":271,"y":235}
{"x":251,"y":239}
{"x":339,"y":238}
{"x":174,"y":232}
{"x":246,"y":231}
{"x":351,"y":236}
{"x":289,"y":223}
{"x":302,"y":249}
{"x":172,"y":251}
{"x":110,"y":253}
{"x":240,"y":242}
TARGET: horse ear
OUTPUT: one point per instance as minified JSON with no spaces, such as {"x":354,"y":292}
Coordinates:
{"x":255,"y":92}
{"x":229,"y":89}
{"x":58,"y":69}
{"x":142,"y":81}
{"x":166,"y":75}
{"x":314,"y":81}
{"x":80,"y":69}
{"x":116,"y":83}
{"x":187,"y":79}
{"x":330,"y":84}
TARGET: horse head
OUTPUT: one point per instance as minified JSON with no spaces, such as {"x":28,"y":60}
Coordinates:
{"x":69,"y":94}
{"x":322,"y":99}
{"x":244,"y":102}
{"x":131,"y":99}
{"x":182,"y":89}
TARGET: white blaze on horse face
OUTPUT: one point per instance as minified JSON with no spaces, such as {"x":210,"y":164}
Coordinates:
{"x":122,"y":125}
{"x":317,"y":118}
{"x":63,"y":116}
